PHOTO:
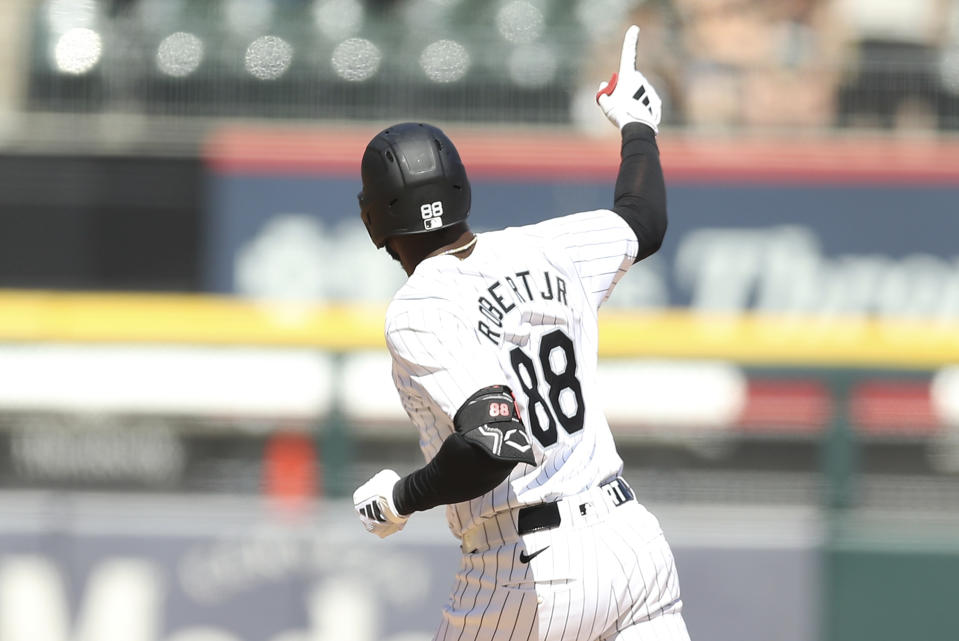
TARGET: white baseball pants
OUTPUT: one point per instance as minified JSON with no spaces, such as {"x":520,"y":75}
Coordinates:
{"x":604,"y":573}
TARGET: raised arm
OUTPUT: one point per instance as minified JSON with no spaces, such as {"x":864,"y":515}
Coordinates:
{"x":632,"y":105}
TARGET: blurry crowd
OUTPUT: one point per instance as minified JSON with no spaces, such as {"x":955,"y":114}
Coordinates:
{"x":752,"y":64}
{"x":890,"y":64}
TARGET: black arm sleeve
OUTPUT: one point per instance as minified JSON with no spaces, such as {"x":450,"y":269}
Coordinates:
{"x":460,"y":471}
{"x":640,"y":196}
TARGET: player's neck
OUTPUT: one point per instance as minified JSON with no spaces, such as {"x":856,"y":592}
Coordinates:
{"x":456,"y":241}
{"x":461,"y":247}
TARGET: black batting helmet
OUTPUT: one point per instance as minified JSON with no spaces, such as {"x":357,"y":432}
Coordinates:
{"x":413,"y":182}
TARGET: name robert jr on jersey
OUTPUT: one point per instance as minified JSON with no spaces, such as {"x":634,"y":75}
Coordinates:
{"x":524,"y":287}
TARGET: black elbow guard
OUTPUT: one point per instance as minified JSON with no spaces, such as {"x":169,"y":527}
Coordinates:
{"x":489,"y":419}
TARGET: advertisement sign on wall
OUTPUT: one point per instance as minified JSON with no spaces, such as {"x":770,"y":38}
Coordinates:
{"x":797,"y":241}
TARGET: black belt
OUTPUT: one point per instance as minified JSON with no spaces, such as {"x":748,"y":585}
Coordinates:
{"x":546,"y":516}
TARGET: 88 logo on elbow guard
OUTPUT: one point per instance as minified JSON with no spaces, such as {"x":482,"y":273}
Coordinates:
{"x":497,"y":410}
{"x":432,"y":214}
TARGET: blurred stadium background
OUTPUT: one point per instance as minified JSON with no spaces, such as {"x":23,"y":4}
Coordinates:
{"x":192,"y":371}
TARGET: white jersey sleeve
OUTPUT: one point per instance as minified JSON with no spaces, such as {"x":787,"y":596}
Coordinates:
{"x":436,"y":357}
{"x":601,"y":245}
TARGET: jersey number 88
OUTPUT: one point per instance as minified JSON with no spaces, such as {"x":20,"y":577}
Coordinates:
{"x":526,"y":372}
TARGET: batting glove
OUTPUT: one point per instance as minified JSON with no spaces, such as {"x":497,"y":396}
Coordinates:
{"x":373,"y":502}
{"x":628,"y":96}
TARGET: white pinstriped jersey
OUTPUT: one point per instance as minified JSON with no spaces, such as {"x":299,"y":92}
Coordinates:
{"x":520,"y":310}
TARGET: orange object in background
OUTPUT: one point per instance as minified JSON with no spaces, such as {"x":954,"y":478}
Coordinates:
{"x":290,"y":474}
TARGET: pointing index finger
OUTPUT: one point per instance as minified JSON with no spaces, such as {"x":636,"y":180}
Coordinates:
{"x":627,"y":62}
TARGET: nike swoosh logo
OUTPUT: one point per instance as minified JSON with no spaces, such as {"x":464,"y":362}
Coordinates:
{"x":523,"y":558}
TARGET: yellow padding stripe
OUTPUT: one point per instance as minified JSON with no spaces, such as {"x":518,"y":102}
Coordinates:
{"x":153,"y":318}
{"x":788,"y":340}
{"x":749,"y":339}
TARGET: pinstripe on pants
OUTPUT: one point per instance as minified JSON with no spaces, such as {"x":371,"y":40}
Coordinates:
{"x":607,"y":579}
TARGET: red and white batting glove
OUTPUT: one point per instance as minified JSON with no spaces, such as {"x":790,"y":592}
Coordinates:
{"x":628,"y":96}
{"x":373,"y":502}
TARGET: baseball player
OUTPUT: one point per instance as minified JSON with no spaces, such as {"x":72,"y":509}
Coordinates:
{"x":494,"y":346}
